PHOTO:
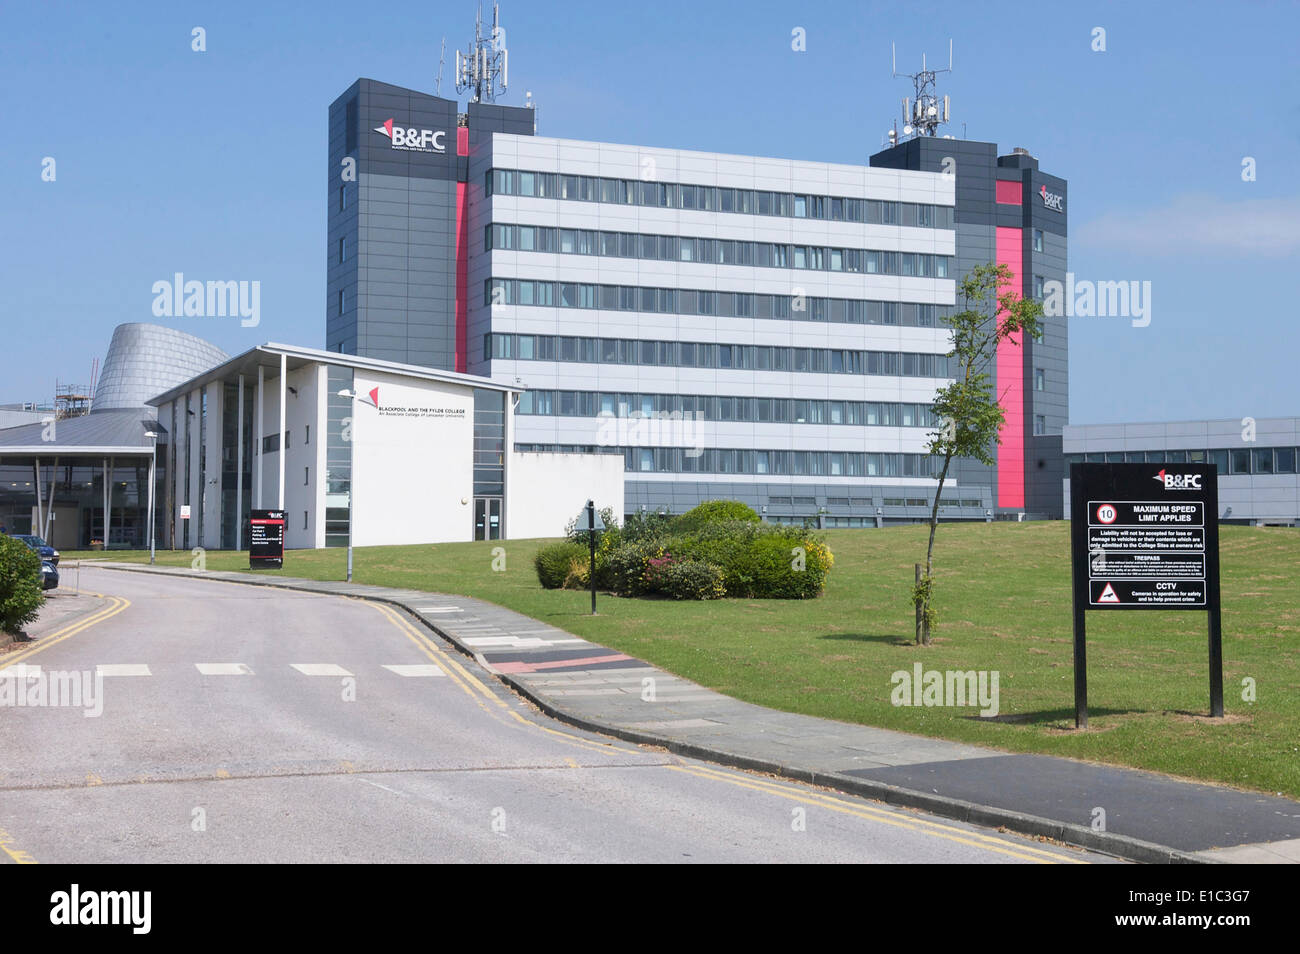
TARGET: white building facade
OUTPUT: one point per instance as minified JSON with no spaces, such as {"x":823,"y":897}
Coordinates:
{"x":726,"y":326}
{"x":413,"y":455}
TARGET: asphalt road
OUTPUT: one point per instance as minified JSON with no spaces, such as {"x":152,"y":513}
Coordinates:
{"x":242,"y":724}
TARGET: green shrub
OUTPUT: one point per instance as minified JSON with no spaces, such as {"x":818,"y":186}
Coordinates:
{"x":691,"y":580}
{"x":555,"y":561}
{"x":779,"y":566}
{"x":20,"y":585}
{"x":644,"y":526}
{"x":714,"y":511}
{"x":625,"y":569}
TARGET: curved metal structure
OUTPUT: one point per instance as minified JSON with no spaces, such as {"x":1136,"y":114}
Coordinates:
{"x":145,"y":360}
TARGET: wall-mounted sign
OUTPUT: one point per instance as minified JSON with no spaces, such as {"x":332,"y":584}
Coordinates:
{"x":266,"y":539}
{"x":411,"y":139}
{"x":1053,"y":200}
{"x":185,"y":511}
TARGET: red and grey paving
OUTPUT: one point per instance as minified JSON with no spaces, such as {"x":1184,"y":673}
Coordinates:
{"x":1147,"y":816}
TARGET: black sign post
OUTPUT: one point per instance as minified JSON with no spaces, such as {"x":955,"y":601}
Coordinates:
{"x":1144,"y":536}
{"x":266,"y":539}
{"x":590,"y":522}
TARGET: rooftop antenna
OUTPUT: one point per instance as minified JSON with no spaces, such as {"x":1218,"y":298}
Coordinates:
{"x":924,"y":115}
{"x":484,"y":67}
{"x":442,"y":58}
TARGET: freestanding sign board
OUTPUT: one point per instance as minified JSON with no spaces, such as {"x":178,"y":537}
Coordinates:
{"x":266,"y":539}
{"x":1145,"y":537}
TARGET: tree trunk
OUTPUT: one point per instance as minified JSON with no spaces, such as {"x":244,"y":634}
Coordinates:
{"x":929,"y":550}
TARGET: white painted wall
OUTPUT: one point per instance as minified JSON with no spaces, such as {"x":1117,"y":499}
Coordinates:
{"x":412,"y":461}
{"x":546,"y":491}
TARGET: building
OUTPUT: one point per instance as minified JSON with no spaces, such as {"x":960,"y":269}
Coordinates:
{"x":1257,"y":460}
{"x":758,"y":329}
{"x":407,"y":455}
{"x":84,"y":482}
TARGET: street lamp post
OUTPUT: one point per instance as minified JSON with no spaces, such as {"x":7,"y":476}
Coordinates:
{"x":153,"y":468}
{"x":352,"y":477}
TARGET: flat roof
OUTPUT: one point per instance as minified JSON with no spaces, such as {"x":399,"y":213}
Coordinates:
{"x":268,"y":356}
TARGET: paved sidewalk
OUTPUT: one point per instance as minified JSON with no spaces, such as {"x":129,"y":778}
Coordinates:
{"x":1148,"y":817}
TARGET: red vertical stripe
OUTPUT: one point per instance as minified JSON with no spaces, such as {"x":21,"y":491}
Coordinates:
{"x":462,"y":259}
{"x":1009,"y":192}
{"x":1011,"y":383}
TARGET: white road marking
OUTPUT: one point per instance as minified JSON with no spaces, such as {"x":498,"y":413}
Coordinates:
{"x":320,"y":669}
{"x":223,"y":669}
{"x":438,"y":609}
{"x":124,"y":669}
{"x":417,"y":670}
{"x":516,"y":642}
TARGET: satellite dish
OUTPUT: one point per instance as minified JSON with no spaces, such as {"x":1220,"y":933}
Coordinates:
{"x":907,"y":130}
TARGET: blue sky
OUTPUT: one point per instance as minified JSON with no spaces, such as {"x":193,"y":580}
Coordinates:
{"x":213,"y":163}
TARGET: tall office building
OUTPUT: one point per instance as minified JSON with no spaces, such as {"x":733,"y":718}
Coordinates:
{"x":737,"y":327}
{"x":1010,"y":212}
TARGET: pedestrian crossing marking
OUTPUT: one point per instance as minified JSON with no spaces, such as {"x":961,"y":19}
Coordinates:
{"x":124,"y":669}
{"x":223,"y":669}
{"x":416,"y":670}
{"x":320,"y":669}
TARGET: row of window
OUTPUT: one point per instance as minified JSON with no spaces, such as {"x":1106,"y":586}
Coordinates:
{"x":679,"y":301}
{"x":717,"y":460}
{"x":720,"y":408}
{"x":1254,"y":460}
{"x":673,"y":195}
{"x":687,"y":354}
{"x":676,"y":248}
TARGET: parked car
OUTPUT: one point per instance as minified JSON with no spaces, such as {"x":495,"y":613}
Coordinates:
{"x":46,"y":551}
{"x":49,"y":576}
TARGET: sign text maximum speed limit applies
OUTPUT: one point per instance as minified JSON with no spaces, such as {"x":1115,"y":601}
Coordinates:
{"x":1146,"y":552}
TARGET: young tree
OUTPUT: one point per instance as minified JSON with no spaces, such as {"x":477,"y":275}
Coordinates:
{"x":968,"y":410}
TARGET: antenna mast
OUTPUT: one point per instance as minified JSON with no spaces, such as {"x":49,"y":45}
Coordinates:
{"x":924,"y":115}
{"x":483,"y":68}
{"x":442,"y":58}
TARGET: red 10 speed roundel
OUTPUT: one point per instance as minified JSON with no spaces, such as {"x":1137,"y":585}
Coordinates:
{"x":1107,"y":513}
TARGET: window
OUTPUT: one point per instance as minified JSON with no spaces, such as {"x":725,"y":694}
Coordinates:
{"x":1040,"y":424}
{"x":1239,"y":460}
{"x":343,"y":198}
{"x":342,"y":301}
{"x":1263,"y":460}
{"x":1038,"y":240}
{"x":1219,"y":458}
{"x":1040,"y":380}
{"x":306,"y":478}
{"x":343,"y":249}
{"x":1285,"y":460}
{"x":1038,"y":286}
{"x":304,"y":519}
{"x":306,"y":434}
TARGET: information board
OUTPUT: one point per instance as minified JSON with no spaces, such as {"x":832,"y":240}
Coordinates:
{"x":1145,"y":537}
{"x":266,"y":539}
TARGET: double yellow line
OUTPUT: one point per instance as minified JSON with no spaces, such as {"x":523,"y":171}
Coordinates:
{"x":481,"y":694}
{"x":116,"y":605}
{"x":474,"y":687}
{"x":871,"y":813}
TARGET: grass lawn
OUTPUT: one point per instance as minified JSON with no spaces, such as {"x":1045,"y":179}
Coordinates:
{"x":1003,"y":598}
